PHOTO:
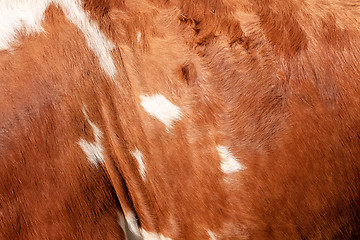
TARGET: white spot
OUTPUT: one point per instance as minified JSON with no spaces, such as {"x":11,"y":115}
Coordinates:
{"x":132,"y":223}
{"x":139,"y":158}
{"x":26,"y":16}
{"x":138,"y":36}
{"x":125,"y":227}
{"x":122,"y":223}
{"x":153,"y":236}
{"x":93,"y":150}
{"x":20,"y":17}
{"x":229,"y":164}
{"x":161,"y":108}
{"x":212,"y":235}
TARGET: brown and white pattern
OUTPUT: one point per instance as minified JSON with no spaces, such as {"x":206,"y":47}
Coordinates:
{"x":149,"y":119}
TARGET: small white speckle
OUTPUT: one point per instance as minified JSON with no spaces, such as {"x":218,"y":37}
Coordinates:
{"x":129,"y":235}
{"x":122,"y":223}
{"x":93,"y":150}
{"x":153,"y":236}
{"x":229,"y":164}
{"x":138,"y":36}
{"x":212,"y":235}
{"x":132,"y":223}
{"x":161,"y":108}
{"x":139,"y":158}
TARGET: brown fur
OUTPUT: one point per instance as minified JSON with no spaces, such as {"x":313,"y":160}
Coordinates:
{"x":275,"y":81}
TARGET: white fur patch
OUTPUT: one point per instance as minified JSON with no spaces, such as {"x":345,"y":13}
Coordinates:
{"x":122,"y":223}
{"x":129,"y":235}
{"x":26,"y":16}
{"x":139,"y":158}
{"x":20,"y":17}
{"x":229,"y":164}
{"x":132,"y":223}
{"x":211,"y":235}
{"x":138,"y":36}
{"x":161,"y":108}
{"x":93,"y":150}
{"x":153,"y":236}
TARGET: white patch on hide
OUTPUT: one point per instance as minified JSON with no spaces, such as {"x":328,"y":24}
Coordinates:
{"x":153,"y":236}
{"x":138,"y":36}
{"x":161,"y":108}
{"x":129,"y":235}
{"x":139,"y":158}
{"x":18,"y":16}
{"x":93,"y":150}
{"x":229,"y":164}
{"x":211,"y":235}
{"x":132,"y":223}
{"x":122,"y":223}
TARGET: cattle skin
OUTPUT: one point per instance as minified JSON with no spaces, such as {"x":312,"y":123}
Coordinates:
{"x":182,"y":119}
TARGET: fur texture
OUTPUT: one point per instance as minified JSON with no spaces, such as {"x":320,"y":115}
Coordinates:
{"x":276,"y":83}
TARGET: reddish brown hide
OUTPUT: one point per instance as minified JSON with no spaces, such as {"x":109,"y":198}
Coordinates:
{"x":223,"y":120}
